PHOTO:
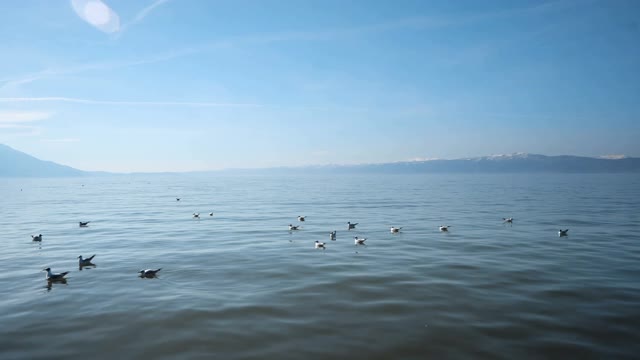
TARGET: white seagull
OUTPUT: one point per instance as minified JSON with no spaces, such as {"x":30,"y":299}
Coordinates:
{"x":196,"y":215}
{"x":301,"y":218}
{"x":395,"y":229}
{"x":291,"y":227}
{"x":149,"y":273}
{"x":359,"y":241}
{"x":508,"y":220}
{"x":351,"y":226}
{"x":332,"y":235}
{"x":84,"y":223}
{"x":563,"y":232}
{"x":319,"y":245}
{"x":36,"y":237}
{"x":54,"y":277}
{"x":85,"y":262}
{"x":444,"y":227}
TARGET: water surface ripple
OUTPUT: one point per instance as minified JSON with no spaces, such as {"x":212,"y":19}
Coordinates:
{"x":239,"y":285}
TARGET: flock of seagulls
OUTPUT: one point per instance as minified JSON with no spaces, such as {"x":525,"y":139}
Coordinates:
{"x":82,"y":262}
{"x":151,"y":273}
{"x":197,"y":215}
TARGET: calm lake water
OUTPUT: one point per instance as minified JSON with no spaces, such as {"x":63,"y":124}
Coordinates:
{"x":239,"y":285}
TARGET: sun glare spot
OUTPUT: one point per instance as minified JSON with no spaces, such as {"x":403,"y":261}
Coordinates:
{"x":97,"y":14}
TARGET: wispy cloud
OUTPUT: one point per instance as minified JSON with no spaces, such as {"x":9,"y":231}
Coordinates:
{"x":18,"y":123}
{"x":8,"y":83}
{"x":141,"y":15}
{"x":124,"y":103}
{"x":62,"y":140}
{"x":15,"y":117}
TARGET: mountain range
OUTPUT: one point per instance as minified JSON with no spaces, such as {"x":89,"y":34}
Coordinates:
{"x":14,"y":163}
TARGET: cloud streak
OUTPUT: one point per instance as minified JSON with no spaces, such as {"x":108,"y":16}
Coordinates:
{"x":18,"y":123}
{"x":123,"y":102}
{"x":14,"y":117}
{"x":108,"y":65}
{"x":142,"y":14}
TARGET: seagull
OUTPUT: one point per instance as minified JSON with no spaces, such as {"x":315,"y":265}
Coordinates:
{"x":36,"y":237}
{"x":291,"y":227}
{"x":359,"y":241}
{"x":444,"y":227}
{"x":351,"y":226}
{"x":85,"y":262}
{"x":395,"y":229}
{"x":177,"y":199}
{"x":196,"y":215}
{"x":332,"y":235}
{"x":563,"y":232}
{"x":54,"y":277}
{"x":301,"y":218}
{"x":211,"y":213}
{"x":84,"y":223}
{"x":319,"y":245}
{"x":508,"y":220}
{"x":149,"y":273}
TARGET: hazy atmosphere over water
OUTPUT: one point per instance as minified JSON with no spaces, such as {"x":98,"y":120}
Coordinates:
{"x":120,"y":85}
{"x":524,"y":246}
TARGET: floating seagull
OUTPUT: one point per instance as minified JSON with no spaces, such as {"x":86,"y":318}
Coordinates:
{"x":301,"y":218}
{"x":508,"y":220}
{"x":359,"y":241}
{"x":36,"y":237}
{"x":351,"y":226}
{"x":444,"y":227}
{"x":211,"y":214}
{"x":85,"y":262}
{"x":291,"y":227}
{"x":54,"y":277}
{"x":84,"y":223}
{"x":148,"y":273}
{"x":563,"y":232}
{"x":196,"y":215}
{"x":332,"y":235}
{"x":395,"y":229}
{"x":177,"y":199}
{"x":319,"y":245}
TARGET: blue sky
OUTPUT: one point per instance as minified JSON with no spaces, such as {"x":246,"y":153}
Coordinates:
{"x":177,"y":85}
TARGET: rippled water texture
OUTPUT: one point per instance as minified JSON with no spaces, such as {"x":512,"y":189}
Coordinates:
{"x":239,"y":285}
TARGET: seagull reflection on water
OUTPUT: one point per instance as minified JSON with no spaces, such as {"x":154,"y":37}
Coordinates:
{"x":89,"y":265}
{"x":50,"y":283}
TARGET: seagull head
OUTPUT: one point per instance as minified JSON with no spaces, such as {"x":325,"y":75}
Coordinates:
{"x":47,"y":269}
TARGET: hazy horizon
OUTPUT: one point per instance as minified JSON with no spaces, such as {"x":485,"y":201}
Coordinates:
{"x":174,"y":86}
